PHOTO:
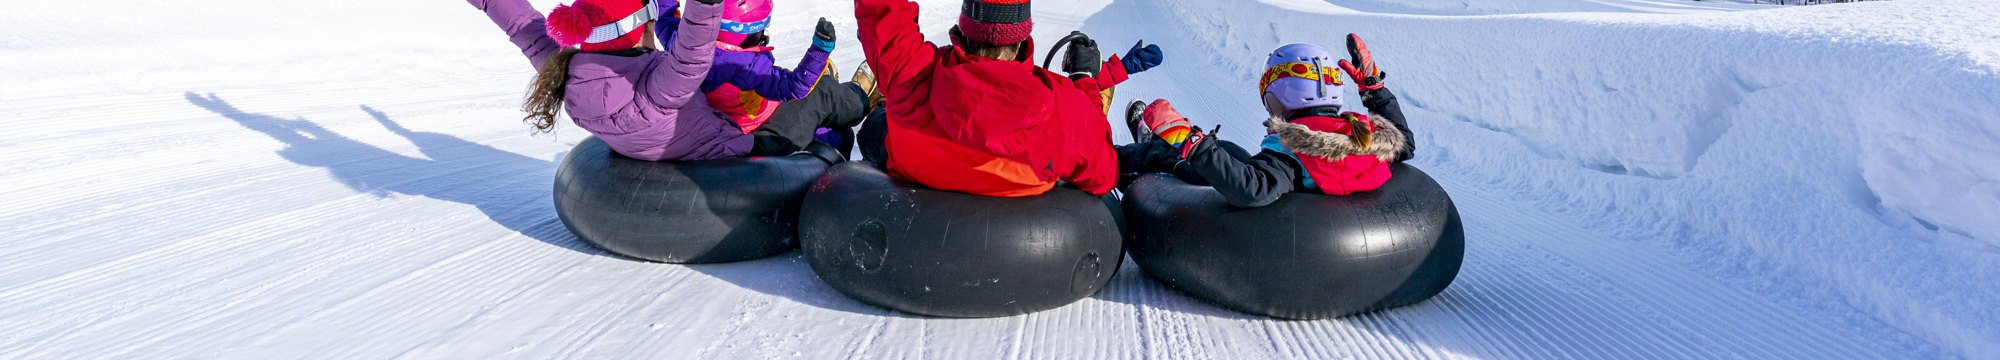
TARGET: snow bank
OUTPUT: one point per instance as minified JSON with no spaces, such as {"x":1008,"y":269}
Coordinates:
{"x":1494,"y":7}
{"x":1841,"y":152}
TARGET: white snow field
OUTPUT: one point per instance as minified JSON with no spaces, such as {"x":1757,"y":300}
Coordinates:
{"x":1653,"y":179}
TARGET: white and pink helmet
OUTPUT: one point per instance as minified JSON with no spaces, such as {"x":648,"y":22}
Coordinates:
{"x":742,"y":18}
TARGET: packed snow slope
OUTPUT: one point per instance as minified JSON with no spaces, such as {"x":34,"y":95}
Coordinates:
{"x":1652,"y":179}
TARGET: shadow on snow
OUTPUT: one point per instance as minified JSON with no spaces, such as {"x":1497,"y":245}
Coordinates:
{"x":509,"y":188}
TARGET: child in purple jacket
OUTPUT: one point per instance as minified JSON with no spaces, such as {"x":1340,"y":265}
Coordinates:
{"x":595,"y":62}
{"x":746,"y":84}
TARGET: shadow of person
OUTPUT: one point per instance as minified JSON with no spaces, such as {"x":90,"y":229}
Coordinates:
{"x":509,"y":188}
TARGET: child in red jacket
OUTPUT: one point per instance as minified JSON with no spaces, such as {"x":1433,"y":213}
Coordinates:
{"x":1311,"y":144}
{"x":978,"y":116}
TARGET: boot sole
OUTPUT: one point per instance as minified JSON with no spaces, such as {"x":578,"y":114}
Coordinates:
{"x":1133,"y":121}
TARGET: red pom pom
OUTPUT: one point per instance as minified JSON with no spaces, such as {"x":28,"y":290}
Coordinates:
{"x":571,"y":25}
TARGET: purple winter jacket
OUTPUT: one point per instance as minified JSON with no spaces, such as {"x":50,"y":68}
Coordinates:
{"x":647,"y":107}
{"x":746,"y":83}
{"x":747,"y":86}
{"x":754,"y":69}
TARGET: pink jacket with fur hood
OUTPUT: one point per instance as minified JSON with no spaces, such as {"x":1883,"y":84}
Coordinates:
{"x":648,"y":107}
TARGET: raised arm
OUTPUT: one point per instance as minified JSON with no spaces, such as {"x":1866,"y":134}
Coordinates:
{"x":1142,"y":57}
{"x":1383,"y":103}
{"x":895,"y":46}
{"x":690,"y":54}
{"x":1374,"y":95}
{"x":775,"y":83}
{"x":524,"y":26}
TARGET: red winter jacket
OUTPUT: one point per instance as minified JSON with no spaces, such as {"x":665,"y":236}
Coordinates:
{"x":984,"y":126}
{"x":1333,"y":163}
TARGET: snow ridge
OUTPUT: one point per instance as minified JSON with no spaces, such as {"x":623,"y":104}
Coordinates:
{"x":1798,"y":149}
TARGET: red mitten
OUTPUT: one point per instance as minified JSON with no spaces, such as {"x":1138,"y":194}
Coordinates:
{"x":1362,"y":70}
{"x":1165,"y":122}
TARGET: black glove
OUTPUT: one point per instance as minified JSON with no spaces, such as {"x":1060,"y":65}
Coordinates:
{"x":823,"y":35}
{"x":1082,"y":59}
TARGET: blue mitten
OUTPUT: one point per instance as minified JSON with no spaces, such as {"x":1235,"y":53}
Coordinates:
{"x":1142,"y":57}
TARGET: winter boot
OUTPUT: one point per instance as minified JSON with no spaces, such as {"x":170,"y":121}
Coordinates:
{"x":865,"y":78}
{"x":1135,"y":120}
{"x":831,"y":71}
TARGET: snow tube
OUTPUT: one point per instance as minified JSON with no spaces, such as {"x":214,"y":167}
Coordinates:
{"x":684,"y":212}
{"x":902,"y":246}
{"x":1306,"y":256}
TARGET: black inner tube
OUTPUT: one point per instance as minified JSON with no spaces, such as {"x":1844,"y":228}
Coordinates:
{"x":685,"y":212}
{"x":1306,"y":256}
{"x":901,"y":246}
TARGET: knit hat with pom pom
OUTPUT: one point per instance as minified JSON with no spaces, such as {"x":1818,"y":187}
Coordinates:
{"x":585,"y":23}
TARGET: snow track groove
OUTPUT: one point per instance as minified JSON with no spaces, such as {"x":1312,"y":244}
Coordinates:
{"x":406,"y":213}
{"x":463,"y":257}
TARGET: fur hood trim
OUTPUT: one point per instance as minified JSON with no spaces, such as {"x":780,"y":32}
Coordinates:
{"x":1387,"y":141}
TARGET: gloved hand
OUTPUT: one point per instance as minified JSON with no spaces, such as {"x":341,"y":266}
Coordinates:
{"x":1163,"y":121}
{"x":1362,"y":70}
{"x":1197,"y":139}
{"x":709,"y":2}
{"x":1082,"y":59}
{"x":1142,"y":57}
{"x":823,"y":36}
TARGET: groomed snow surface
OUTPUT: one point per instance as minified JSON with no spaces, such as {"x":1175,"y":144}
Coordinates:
{"x":1652,"y":179}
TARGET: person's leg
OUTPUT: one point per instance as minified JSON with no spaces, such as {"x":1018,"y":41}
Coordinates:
{"x":846,"y":135}
{"x":1147,"y":157}
{"x":873,"y":136}
{"x":1188,"y":174}
{"x":793,"y":124}
{"x":1243,"y":179}
{"x":1155,"y":156}
{"x":1141,"y":158}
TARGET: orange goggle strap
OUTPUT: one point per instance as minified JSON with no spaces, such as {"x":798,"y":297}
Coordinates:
{"x":1299,"y":70}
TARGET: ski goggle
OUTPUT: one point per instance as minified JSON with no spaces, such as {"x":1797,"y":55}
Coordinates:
{"x":1321,"y":74}
{"x":617,"y":29}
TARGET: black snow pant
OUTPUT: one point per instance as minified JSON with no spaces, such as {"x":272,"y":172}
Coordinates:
{"x":1244,"y":180}
{"x":831,"y":104}
{"x":873,"y":137}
